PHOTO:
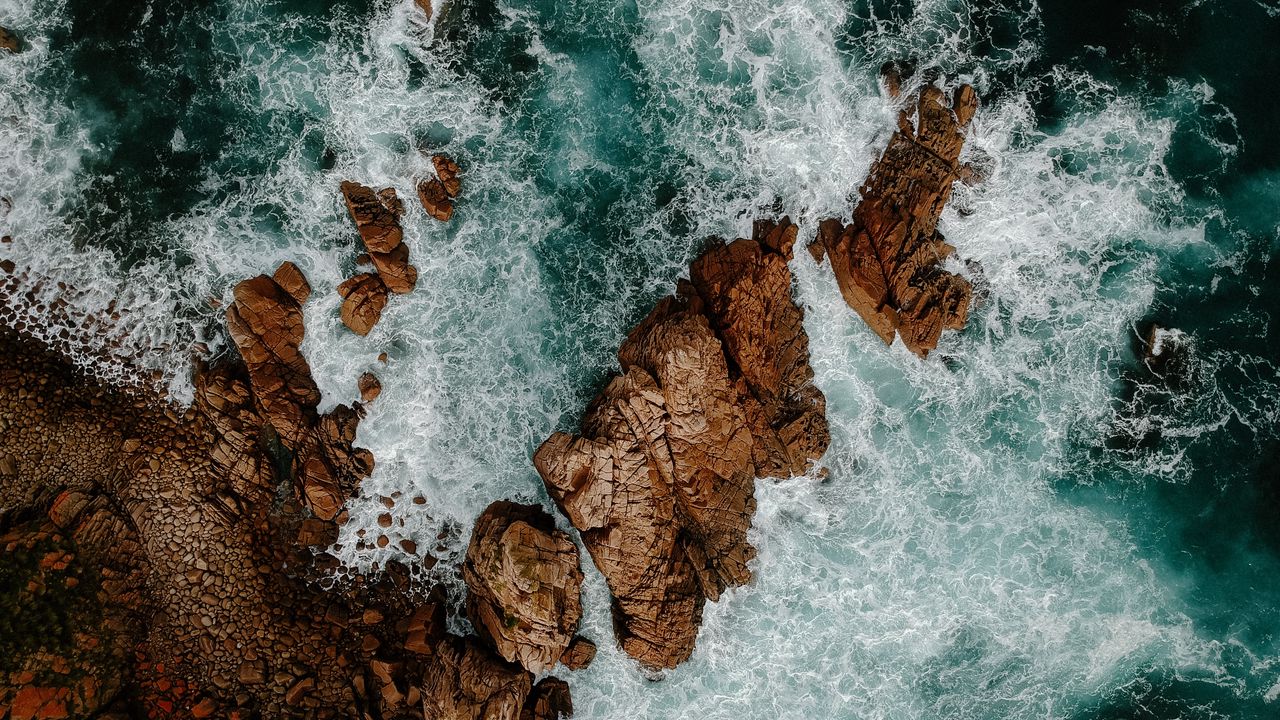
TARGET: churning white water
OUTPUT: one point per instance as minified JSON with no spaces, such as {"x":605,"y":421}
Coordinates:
{"x":938,"y":572}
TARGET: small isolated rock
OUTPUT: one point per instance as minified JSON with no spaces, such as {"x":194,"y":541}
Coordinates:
{"x":363,"y":298}
{"x":435,"y":199}
{"x":524,"y":583}
{"x":9,"y":41}
{"x":580,"y":654}
{"x":370,"y":387}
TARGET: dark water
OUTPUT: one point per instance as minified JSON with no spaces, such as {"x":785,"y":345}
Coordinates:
{"x":1040,"y":526}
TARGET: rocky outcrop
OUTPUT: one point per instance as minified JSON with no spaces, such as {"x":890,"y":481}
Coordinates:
{"x":715,"y":390}
{"x":438,"y":193}
{"x":887,"y":262}
{"x":166,"y":553}
{"x":549,"y":701}
{"x":523,"y":585}
{"x":377,"y":217}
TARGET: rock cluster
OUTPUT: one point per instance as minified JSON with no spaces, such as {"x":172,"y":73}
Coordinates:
{"x":715,"y":390}
{"x":887,"y":261}
{"x":437,"y":194}
{"x":523,"y":585}
{"x":377,"y":217}
{"x":167,"y":555}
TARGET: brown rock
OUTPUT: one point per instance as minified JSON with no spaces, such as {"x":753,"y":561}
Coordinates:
{"x":447,"y":171}
{"x":379,"y":225}
{"x":435,"y":199}
{"x":716,"y":391}
{"x":550,"y":700}
{"x":523,"y":584}
{"x":887,"y":261}
{"x":289,"y":277}
{"x":9,"y":41}
{"x":363,"y":298}
{"x":394,"y":267}
{"x":465,"y":681}
{"x":425,"y":6}
{"x":579,"y":654}
{"x":370,"y":387}
{"x":265,"y":321}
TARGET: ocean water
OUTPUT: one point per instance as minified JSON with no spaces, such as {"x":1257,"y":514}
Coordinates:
{"x":1028,"y":525}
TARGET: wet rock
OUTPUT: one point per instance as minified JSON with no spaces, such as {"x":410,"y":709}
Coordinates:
{"x":447,"y":171}
{"x":524,"y":583}
{"x":888,"y":261}
{"x":716,"y":390}
{"x":435,"y":199}
{"x":289,"y":277}
{"x":579,"y":654}
{"x":1166,"y":352}
{"x":9,"y":41}
{"x":370,"y":387}
{"x":377,"y":217}
{"x":265,"y":322}
{"x":465,"y":681}
{"x":363,"y":298}
{"x":549,"y":700}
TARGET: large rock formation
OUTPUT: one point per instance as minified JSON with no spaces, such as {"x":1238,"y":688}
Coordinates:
{"x":887,"y":261}
{"x":715,"y":390}
{"x":523,"y":585}
{"x":165,"y":555}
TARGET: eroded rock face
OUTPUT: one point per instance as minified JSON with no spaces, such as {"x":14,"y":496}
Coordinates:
{"x":549,"y":700}
{"x":715,"y":391}
{"x":465,"y":681}
{"x":523,"y":585}
{"x":888,"y":260}
{"x":377,"y":217}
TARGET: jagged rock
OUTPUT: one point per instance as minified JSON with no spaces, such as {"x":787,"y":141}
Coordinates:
{"x":377,"y":217}
{"x":549,"y":700}
{"x":435,"y":199}
{"x":363,"y":298}
{"x":661,"y":482}
{"x":579,"y":654}
{"x":524,"y":583}
{"x":370,"y":387}
{"x":887,"y":261}
{"x":447,"y":171}
{"x":9,"y":41}
{"x":265,"y":321}
{"x":465,"y":681}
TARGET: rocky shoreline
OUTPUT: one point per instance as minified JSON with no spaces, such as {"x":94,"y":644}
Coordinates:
{"x":173,"y":554}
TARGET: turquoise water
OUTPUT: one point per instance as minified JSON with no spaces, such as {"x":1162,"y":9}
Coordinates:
{"x":1029,"y":525}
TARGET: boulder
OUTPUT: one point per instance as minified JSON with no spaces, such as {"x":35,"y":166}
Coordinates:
{"x":370,"y":387}
{"x":265,"y":322}
{"x":9,"y":41}
{"x":579,"y":654}
{"x":465,"y":681}
{"x":887,"y":262}
{"x":437,"y":193}
{"x":378,"y":223}
{"x":523,"y":585}
{"x":363,"y":298}
{"x":550,"y":700}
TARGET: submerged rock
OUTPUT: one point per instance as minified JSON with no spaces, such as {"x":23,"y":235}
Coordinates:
{"x":523,"y":585}
{"x":715,"y":390}
{"x":887,"y":262}
{"x":8,"y":41}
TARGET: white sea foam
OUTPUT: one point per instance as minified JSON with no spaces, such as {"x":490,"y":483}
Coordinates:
{"x":936,"y":573}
